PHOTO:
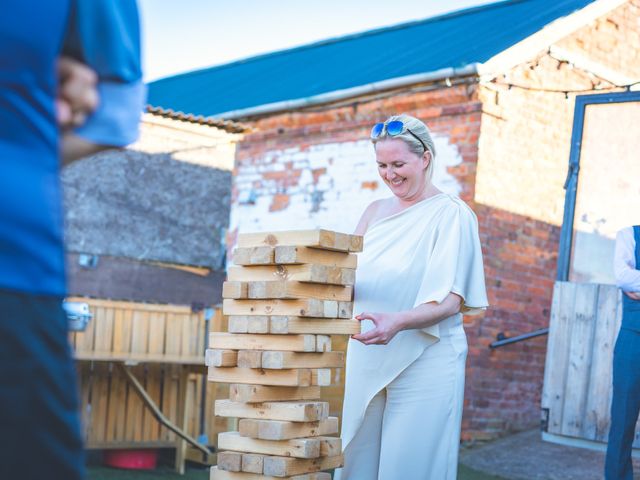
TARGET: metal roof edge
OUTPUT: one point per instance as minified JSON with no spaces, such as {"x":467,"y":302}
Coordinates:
{"x":545,"y":37}
{"x":336,"y":95}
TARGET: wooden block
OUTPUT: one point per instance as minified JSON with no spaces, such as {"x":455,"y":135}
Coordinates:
{"x":287,"y":466}
{"x":217,"y":474}
{"x":298,"y":290}
{"x":356,"y":243}
{"x":285,"y":378}
{"x":241,"y":341}
{"x":323,"y":343}
{"x":330,"y":446}
{"x":239,"y":323}
{"x":322,"y":239}
{"x":321,"y":377}
{"x":214,"y":357}
{"x":263,"y":255}
{"x":326,"y":326}
{"x":251,"y":462}
{"x":324,"y":274}
{"x":250,"y":358}
{"x":290,"y":411}
{"x":291,"y":255}
{"x":280,"y":360}
{"x":230,"y":461}
{"x":298,"y":448}
{"x":302,"y":308}
{"x":281,"y":430}
{"x":234,"y":290}
{"x":345,"y":309}
{"x":260,"y":393}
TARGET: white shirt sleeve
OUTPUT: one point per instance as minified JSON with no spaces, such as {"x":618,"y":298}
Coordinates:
{"x":624,"y":261}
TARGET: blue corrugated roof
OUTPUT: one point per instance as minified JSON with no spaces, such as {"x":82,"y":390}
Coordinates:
{"x":453,"y":40}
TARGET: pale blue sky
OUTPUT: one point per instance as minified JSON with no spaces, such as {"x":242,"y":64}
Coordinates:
{"x":184,"y":35}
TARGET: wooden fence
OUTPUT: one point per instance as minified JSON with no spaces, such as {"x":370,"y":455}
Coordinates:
{"x":576,"y":398}
{"x":163,"y":345}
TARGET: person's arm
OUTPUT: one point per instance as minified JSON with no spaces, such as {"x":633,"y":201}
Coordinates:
{"x":366,"y":217}
{"x":624,"y":264}
{"x":105,"y":36}
{"x":387,"y":325}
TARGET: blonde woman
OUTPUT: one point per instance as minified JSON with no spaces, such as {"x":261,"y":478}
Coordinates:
{"x":420,"y":268}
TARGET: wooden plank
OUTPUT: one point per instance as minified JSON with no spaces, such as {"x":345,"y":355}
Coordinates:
{"x":284,"y":325}
{"x":556,"y":364}
{"x":234,"y":290}
{"x":297,"y":290}
{"x":220,"y":358}
{"x":252,"y":463}
{"x":291,"y":411}
{"x":598,"y":403}
{"x":356,"y":243}
{"x":217,"y":474}
{"x":579,"y":364}
{"x":250,"y":358}
{"x":104,"y":330}
{"x":283,"y":360}
{"x":284,"y":378}
{"x":287,"y":466}
{"x":322,"y":239}
{"x":258,"y":324}
{"x":345,"y":310}
{"x":292,"y":255}
{"x":230,"y":461}
{"x":298,"y":448}
{"x":323,"y":343}
{"x":99,"y":402}
{"x":324,"y":274}
{"x":261,"y":255}
{"x":280,"y":430}
{"x":232,"y":341}
{"x":261,"y":393}
{"x":240,"y":323}
{"x":301,"y":308}
{"x":141,"y":307}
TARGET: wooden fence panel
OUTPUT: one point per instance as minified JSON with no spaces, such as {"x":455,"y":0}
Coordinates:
{"x":585,"y":321}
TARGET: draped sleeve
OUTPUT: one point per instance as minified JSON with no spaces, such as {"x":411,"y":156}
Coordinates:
{"x":454,"y":264}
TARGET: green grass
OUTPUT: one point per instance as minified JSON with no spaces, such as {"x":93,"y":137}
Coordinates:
{"x":202,"y":473}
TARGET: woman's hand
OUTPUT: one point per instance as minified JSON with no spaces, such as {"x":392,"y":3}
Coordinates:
{"x":386,"y":327}
{"x":633,"y":295}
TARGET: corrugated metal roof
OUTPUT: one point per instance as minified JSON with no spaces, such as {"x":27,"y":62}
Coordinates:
{"x":453,"y":40}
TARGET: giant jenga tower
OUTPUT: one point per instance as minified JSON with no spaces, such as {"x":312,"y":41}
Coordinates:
{"x":287,"y":293}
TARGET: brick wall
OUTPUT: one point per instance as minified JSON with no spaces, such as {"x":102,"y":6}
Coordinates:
{"x":504,"y":151}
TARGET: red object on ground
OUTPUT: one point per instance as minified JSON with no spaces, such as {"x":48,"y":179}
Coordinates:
{"x":131,"y":459}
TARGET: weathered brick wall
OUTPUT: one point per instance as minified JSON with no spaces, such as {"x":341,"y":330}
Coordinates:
{"x":504,"y":153}
{"x":522,"y":164}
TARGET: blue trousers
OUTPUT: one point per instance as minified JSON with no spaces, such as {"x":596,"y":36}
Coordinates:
{"x":39,"y":419}
{"x":625,"y":405}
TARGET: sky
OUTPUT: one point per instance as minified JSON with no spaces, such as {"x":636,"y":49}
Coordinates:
{"x":185,"y":35}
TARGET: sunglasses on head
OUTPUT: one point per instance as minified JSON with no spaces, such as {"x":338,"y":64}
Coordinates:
{"x":394,"y":128}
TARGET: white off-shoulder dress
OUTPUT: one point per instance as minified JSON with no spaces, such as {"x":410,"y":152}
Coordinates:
{"x":416,"y":256}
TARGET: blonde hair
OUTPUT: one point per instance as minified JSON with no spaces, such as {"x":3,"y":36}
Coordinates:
{"x":420,"y":130}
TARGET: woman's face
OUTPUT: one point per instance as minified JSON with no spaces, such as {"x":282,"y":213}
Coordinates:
{"x":403,"y":171}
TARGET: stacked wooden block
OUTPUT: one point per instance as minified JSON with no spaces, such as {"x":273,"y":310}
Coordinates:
{"x":286,"y":295}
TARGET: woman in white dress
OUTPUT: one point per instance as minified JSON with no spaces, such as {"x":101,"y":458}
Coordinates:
{"x":420,"y":268}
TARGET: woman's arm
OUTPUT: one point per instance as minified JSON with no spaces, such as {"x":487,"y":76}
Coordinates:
{"x":387,"y":325}
{"x":366,"y":218}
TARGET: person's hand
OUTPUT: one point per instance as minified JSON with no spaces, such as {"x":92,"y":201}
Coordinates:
{"x":387,"y":325}
{"x":633,"y":295}
{"x":77,"y":92}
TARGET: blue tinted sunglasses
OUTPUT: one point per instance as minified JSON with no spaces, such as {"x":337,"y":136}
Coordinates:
{"x":394,"y":128}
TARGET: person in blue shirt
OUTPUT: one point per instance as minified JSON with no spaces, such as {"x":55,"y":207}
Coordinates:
{"x":41,"y":43}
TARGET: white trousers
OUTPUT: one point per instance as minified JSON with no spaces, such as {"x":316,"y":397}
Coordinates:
{"x":411,"y":429}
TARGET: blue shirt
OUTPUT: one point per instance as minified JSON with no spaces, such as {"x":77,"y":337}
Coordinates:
{"x":105,"y":35}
